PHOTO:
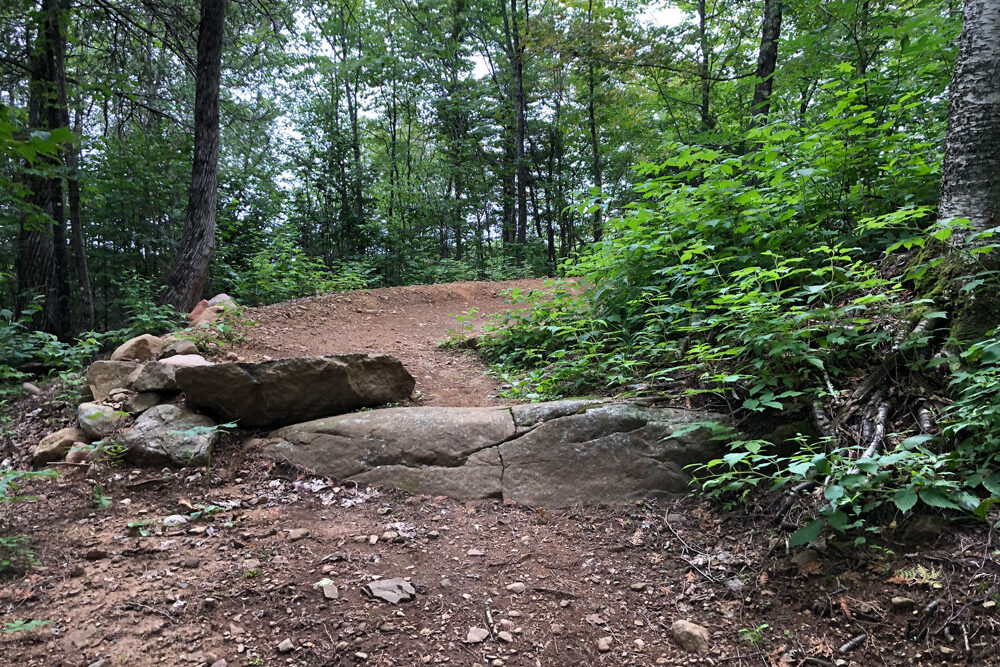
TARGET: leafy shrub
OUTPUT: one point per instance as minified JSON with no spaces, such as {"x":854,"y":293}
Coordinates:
{"x":284,"y":271}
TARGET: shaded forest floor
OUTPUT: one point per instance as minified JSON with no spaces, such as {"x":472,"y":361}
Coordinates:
{"x":550,"y":587}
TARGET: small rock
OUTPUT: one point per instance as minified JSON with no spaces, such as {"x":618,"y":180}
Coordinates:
{"x":445,"y":583}
{"x":174,"y":520}
{"x":96,"y":554}
{"x":691,"y":636}
{"x":557,"y":628}
{"x":210,"y":603}
{"x":516,"y":588}
{"x":286,"y":646}
{"x":220,"y":663}
{"x":55,"y":446}
{"x":474,"y":552}
{"x":477,"y":635}
{"x":141,"y":348}
{"x":331,"y":592}
{"x":297,"y":534}
{"x":361,"y":655}
{"x":990,"y":605}
{"x":182,"y":346}
{"x":99,"y":663}
{"x":734,"y":585}
{"x":77,"y":571}
{"x":391,"y":590}
{"x":505,"y":636}
{"x":192,"y":563}
{"x":639,"y":644}
{"x":434,"y":534}
{"x":638,"y":586}
{"x":604,"y":644}
{"x":31,"y":389}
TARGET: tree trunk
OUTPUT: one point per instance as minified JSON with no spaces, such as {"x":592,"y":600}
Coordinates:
{"x":42,"y":268}
{"x":767,"y":60}
{"x":516,"y":55}
{"x":76,"y":230}
{"x":191,"y":263}
{"x":970,"y":186}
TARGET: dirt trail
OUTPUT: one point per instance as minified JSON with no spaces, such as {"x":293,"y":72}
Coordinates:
{"x":406,"y":322}
{"x":241,"y":580}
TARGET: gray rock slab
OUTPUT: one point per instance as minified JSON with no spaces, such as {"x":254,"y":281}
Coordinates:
{"x":412,"y":438}
{"x":609,"y":454}
{"x":605,"y":454}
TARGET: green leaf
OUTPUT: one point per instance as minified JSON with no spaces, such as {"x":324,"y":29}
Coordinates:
{"x":806,"y":534}
{"x":937,"y":498}
{"x":833,"y":493}
{"x":905,"y":499}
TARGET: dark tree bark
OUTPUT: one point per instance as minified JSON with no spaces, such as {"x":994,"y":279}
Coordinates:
{"x":76,"y":242}
{"x":970,"y":186}
{"x":515,"y":53}
{"x":43,"y":267}
{"x":194,"y":255}
{"x":767,"y":61}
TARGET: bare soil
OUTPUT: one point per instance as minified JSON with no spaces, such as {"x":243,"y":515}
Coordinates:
{"x":406,"y":322}
{"x":601,"y":585}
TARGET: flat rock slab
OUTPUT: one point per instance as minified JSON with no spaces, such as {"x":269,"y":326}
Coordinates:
{"x":556,"y":454}
{"x":391,"y":590}
{"x":285,"y":391}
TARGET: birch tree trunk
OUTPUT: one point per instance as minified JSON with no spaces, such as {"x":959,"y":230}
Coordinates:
{"x":970,"y":186}
{"x":194,"y":255}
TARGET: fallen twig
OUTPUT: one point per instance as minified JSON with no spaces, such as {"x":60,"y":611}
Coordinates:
{"x":853,"y":643}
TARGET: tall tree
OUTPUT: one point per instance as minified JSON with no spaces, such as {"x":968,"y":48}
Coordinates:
{"x":42,"y":259}
{"x":767,"y":61}
{"x":194,"y":255}
{"x":970,"y":185}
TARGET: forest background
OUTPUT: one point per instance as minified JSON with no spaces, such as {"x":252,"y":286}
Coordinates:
{"x":753,"y":192}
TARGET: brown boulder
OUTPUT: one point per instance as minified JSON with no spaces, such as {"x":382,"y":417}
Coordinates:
{"x":141,"y":348}
{"x":285,"y":391}
{"x":55,"y":446}
{"x":103,"y":376}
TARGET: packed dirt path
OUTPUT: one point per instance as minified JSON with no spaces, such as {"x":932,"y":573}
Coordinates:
{"x":406,"y":322}
{"x":249,"y":562}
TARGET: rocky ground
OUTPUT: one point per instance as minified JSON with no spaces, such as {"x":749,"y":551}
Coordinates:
{"x":249,"y":562}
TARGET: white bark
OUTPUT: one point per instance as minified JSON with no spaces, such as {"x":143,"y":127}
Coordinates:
{"x":970,"y":185}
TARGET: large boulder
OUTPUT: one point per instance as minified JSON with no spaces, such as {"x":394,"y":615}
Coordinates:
{"x":99,"y":421}
{"x":171,"y":435}
{"x":103,"y":376}
{"x":54,"y":446}
{"x":285,"y":391}
{"x":141,"y":348}
{"x":555,"y":454}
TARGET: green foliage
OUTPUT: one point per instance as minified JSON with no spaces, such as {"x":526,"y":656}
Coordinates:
{"x":283,"y":271}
